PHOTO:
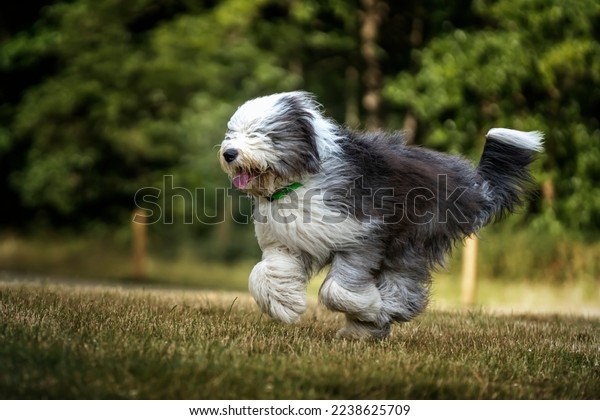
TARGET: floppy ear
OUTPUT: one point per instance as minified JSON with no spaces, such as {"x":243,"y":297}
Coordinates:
{"x":312,"y":161}
{"x":298,"y":134}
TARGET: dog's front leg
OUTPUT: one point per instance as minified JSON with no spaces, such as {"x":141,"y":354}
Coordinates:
{"x":278,"y":284}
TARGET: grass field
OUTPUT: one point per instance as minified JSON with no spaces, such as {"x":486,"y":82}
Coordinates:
{"x":109,"y":263}
{"x":74,"y":341}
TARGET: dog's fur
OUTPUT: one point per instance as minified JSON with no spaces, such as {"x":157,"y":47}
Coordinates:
{"x":381,"y":213}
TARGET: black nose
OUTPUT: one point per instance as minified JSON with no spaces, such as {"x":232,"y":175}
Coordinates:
{"x":229,"y":155}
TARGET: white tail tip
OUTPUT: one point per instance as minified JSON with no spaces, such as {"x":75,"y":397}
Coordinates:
{"x":532,"y":140}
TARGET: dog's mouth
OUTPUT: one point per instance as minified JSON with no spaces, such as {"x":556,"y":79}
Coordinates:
{"x":242,"y":179}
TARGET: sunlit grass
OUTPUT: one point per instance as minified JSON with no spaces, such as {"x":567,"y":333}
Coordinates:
{"x":106,"y":342}
{"x":83,"y":260}
{"x":577,"y":297}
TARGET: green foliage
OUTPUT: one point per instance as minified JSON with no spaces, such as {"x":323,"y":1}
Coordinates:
{"x":100,"y":99}
{"x":85,"y":343}
{"x":140,"y":91}
{"x":90,"y":142}
{"x":532,"y":67}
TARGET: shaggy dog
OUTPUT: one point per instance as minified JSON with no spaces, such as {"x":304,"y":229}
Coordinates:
{"x":381,"y":213}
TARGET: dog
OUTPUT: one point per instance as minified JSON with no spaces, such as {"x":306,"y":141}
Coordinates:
{"x":382,"y":214}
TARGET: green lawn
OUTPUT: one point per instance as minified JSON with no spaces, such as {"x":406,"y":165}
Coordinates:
{"x":73,"y":341}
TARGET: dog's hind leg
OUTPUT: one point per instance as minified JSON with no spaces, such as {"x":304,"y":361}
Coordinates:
{"x":403,"y":284}
{"x":350,"y":288}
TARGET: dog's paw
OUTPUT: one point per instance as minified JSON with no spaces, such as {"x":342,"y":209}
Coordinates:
{"x":284,"y":312}
{"x":358,"y":330}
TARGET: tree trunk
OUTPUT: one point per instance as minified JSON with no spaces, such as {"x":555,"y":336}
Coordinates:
{"x":352,"y":111}
{"x":548,"y":193}
{"x":469,"y":271}
{"x":410,"y":127}
{"x":371,"y":16}
{"x":139,"y":226}
{"x":410,"y":120}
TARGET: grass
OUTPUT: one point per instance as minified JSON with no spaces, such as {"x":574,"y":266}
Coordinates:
{"x":82,"y":258}
{"x":71,"y":342}
{"x":85,"y":258}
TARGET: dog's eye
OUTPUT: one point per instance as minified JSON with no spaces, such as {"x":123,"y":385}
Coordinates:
{"x":259,"y":135}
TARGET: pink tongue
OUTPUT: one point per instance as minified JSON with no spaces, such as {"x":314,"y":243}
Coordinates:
{"x":241,"y":180}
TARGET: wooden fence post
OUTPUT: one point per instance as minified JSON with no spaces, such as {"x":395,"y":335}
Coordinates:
{"x":139,"y":228}
{"x":469,"y":271}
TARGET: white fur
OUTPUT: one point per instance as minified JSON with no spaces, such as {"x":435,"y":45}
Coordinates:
{"x":327,"y":138}
{"x":278,"y":284}
{"x":303,"y":222}
{"x":532,"y":140}
{"x":253,"y":151}
{"x":300,"y":221}
{"x":261,"y":112}
{"x":252,"y":115}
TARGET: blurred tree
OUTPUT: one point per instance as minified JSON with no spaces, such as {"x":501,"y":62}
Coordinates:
{"x":107,"y":121}
{"x":141,"y":89}
{"x":533,"y":65}
{"x":21,"y":66}
{"x":91,"y":130}
{"x":99,"y":99}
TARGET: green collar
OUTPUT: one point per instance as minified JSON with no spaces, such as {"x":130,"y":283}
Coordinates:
{"x":284,"y":191}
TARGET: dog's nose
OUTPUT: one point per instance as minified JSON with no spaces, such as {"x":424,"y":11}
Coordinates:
{"x":229,"y":155}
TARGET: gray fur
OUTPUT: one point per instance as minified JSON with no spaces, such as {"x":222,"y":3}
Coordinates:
{"x":387,"y":215}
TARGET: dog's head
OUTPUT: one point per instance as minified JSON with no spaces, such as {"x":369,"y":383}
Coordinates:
{"x":272,"y":141}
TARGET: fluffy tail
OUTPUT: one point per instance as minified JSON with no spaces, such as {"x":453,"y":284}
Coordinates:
{"x":504,"y":167}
